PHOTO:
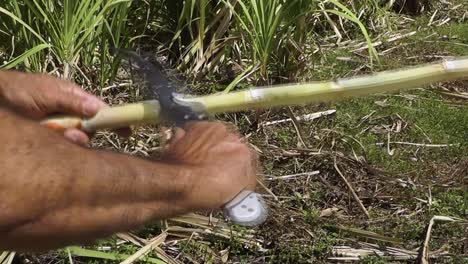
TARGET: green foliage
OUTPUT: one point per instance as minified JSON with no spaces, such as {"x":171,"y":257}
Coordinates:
{"x":262,"y":39}
{"x":451,"y":203}
{"x":264,"y":24}
{"x":200,"y":35}
{"x":443,"y":125}
{"x":274,"y":32}
{"x":69,"y":36}
{"x":373,"y":260}
{"x":312,"y":216}
{"x":103,"y":256}
{"x":344,"y":12}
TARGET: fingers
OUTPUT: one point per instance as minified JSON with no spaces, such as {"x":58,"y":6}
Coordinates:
{"x":76,"y":136}
{"x":38,"y":95}
{"x":79,"y":102}
{"x":222,"y":164}
{"x":60,"y":96}
{"x":71,"y":99}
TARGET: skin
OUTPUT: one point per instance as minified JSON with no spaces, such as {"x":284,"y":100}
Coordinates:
{"x":36,"y":96}
{"x":55,"y":192}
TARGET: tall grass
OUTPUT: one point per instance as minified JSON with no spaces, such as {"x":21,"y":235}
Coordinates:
{"x":66,"y":36}
{"x":261,"y":39}
{"x":201,"y":34}
{"x":262,"y":24}
{"x":274,"y":31}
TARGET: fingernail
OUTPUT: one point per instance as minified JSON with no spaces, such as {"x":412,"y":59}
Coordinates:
{"x":90,"y":107}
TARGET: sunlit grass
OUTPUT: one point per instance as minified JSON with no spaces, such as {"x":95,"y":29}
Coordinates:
{"x":64,"y":35}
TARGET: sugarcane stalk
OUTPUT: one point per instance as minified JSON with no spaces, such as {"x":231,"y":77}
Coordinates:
{"x":315,"y":92}
{"x":148,"y":112}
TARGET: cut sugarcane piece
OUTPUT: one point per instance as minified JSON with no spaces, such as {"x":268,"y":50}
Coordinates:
{"x":145,"y":112}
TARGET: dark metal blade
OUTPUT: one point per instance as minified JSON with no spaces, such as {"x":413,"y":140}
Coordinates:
{"x":161,"y":88}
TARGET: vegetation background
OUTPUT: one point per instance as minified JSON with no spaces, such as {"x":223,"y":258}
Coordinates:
{"x":358,"y":182}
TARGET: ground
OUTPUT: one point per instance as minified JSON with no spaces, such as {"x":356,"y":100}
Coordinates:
{"x":421,"y":173}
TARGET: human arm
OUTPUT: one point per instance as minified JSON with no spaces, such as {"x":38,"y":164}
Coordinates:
{"x":55,"y":193}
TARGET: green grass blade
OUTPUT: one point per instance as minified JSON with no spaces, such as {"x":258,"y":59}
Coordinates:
{"x":88,"y":253}
{"x":238,"y":79}
{"x":348,"y":14}
{"x":21,"y":58}
{"x":17,"y":19}
{"x":201,"y":28}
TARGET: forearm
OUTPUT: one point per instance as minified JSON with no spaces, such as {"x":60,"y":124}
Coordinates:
{"x":55,"y":193}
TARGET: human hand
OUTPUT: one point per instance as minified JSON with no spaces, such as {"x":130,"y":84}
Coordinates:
{"x":220,"y":165}
{"x":37,"y":96}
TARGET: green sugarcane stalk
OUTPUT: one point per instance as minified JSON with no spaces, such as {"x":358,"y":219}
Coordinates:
{"x":148,"y":112}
